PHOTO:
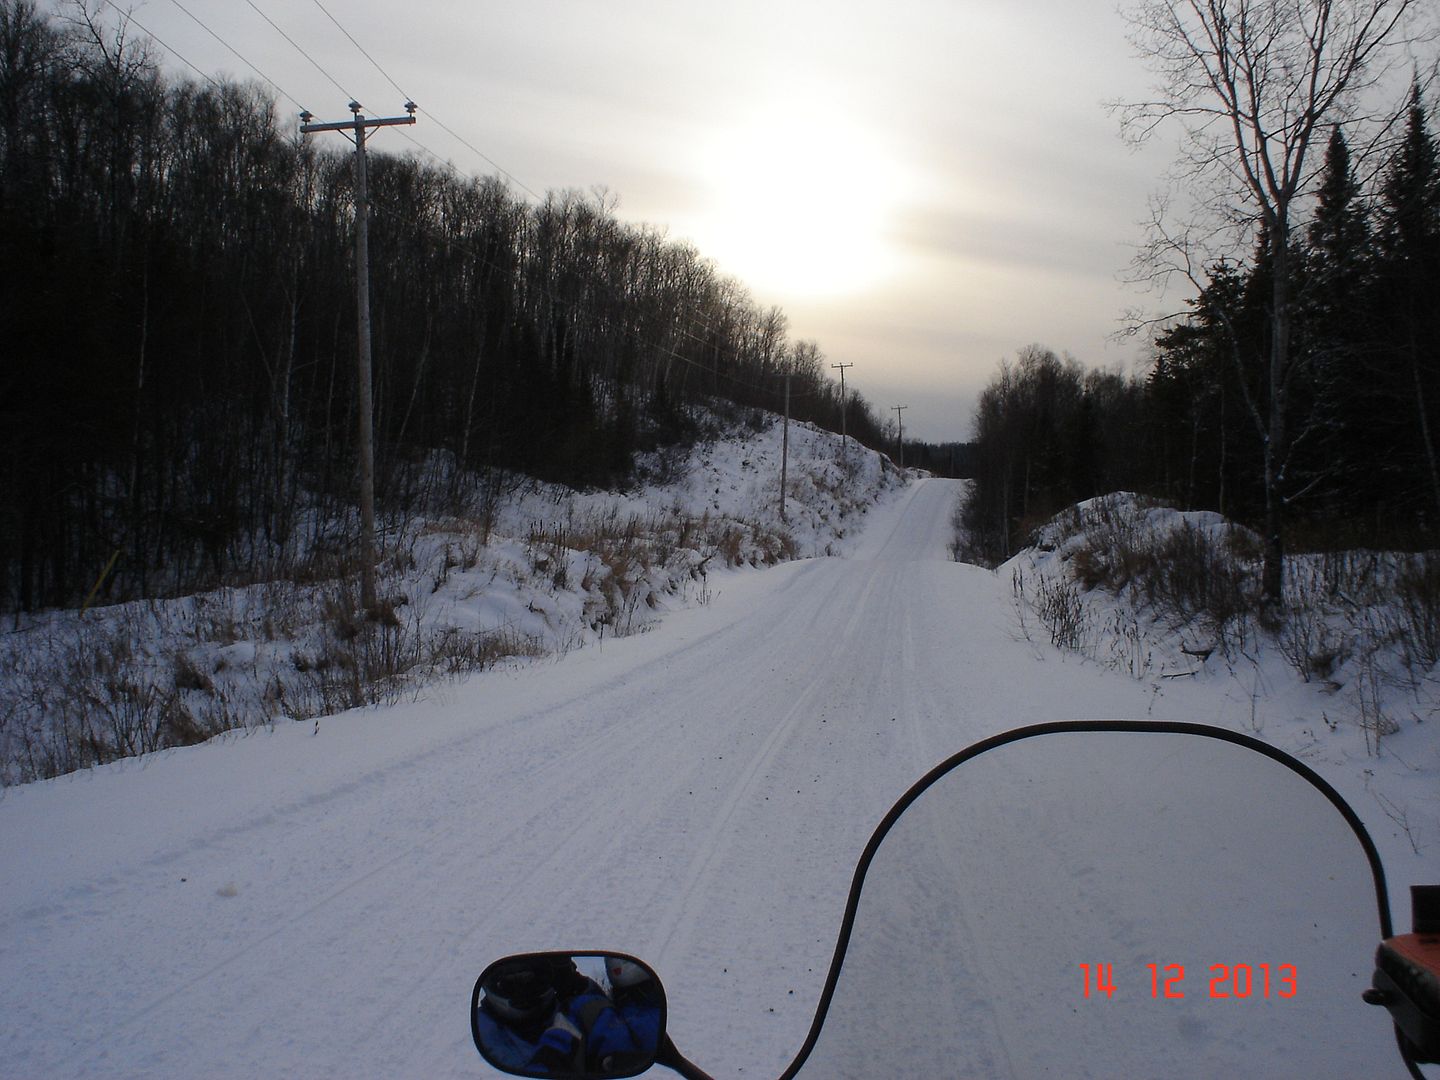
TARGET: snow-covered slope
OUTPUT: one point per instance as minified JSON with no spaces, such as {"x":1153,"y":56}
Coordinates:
{"x":306,"y":902}
{"x":532,"y":569}
{"x":1338,"y":679}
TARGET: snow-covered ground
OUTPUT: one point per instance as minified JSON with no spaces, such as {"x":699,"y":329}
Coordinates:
{"x":1343,"y":684}
{"x":318,"y":900}
{"x":540,"y":569}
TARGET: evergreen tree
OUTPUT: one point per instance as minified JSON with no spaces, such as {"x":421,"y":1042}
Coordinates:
{"x":1336,"y":270}
{"x":1407,"y":287}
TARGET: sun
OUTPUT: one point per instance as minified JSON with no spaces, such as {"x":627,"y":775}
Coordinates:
{"x":800,"y":202}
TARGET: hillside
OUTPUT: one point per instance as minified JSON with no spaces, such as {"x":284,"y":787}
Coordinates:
{"x":533,"y":570}
{"x":1344,"y":676}
{"x":317,"y":901}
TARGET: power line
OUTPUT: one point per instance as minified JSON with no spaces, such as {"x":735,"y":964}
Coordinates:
{"x":657,"y":348}
{"x":360,"y":125}
{"x":843,"y":438}
{"x":699,"y":316}
{"x":236,"y":52}
{"x":357,"y":45}
{"x":130,"y":17}
{"x":428,"y":114}
{"x":301,"y":51}
{"x":683,"y":311}
{"x":475,"y":150}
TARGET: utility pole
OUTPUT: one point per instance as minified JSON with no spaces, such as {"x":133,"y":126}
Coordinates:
{"x":785,"y":447}
{"x":844,"y":407}
{"x":900,"y":420}
{"x":359,"y":126}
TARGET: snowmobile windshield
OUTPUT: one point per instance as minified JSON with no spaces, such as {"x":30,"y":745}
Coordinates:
{"x":1110,"y":903}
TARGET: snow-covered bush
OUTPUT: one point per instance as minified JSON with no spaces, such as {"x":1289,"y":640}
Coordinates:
{"x":1188,"y":569}
{"x":520,"y":569}
{"x":1156,"y":591}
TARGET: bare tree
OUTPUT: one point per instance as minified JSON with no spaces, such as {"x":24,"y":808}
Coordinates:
{"x":1254,"y":84}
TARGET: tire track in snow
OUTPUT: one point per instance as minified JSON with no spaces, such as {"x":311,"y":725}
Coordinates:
{"x":475,"y":871}
{"x":598,"y":842}
{"x":612,"y":744}
{"x":857,"y":601}
{"x":701,"y":869}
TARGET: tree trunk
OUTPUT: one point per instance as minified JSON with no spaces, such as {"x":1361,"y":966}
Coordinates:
{"x":1273,"y":572}
{"x":1422,"y":408}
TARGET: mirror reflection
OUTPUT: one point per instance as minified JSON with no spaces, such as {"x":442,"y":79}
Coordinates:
{"x":569,"y":1015}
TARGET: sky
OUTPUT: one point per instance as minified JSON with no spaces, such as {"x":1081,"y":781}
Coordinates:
{"x":924,"y":187}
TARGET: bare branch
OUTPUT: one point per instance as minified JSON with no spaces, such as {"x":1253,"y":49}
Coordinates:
{"x":1251,"y":82}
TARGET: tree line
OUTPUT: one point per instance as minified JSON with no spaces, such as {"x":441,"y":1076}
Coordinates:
{"x":1361,"y":458}
{"x":179,"y":317}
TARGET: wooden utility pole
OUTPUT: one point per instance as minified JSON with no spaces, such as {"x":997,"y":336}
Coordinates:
{"x":785,"y":447}
{"x":900,"y":439}
{"x":844,"y":406}
{"x":359,"y":126}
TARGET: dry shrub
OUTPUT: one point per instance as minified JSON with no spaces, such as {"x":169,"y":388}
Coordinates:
{"x":1311,"y":645}
{"x":181,"y":727}
{"x":729,"y":543}
{"x":188,"y":675}
{"x":1417,"y":590}
{"x":1353,"y":619}
{"x":86,"y":693}
{"x":1183,"y":573}
{"x":1061,"y":609}
{"x":1192,"y":575}
{"x":1114,"y":550}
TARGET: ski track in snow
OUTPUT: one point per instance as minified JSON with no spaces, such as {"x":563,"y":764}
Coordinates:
{"x":319,"y":905}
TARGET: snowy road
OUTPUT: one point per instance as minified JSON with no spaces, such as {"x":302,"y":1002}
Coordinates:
{"x":320,"y":904}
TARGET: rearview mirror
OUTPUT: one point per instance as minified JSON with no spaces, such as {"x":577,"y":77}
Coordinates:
{"x":557,"y":1014}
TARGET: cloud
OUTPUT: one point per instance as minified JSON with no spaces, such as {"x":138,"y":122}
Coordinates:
{"x":1008,"y":195}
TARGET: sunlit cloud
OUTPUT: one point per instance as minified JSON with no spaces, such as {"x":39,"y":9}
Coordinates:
{"x":798,"y":198}
{"x":924,"y":186}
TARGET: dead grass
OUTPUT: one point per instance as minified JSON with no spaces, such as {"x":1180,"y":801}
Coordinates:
{"x":1184,"y":574}
{"x":89,"y":691}
{"x":1360,"y":622}
{"x":1417,"y":588}
{"x":82,"y":692}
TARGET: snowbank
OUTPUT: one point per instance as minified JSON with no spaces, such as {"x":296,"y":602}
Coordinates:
{"x":543,"y":571}
{"x":1344,"y":677}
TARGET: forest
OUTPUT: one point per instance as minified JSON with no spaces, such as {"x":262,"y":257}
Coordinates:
{"x":178,"y":405}
{"x":179,"y":315}
{"x":1360,"y":466}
